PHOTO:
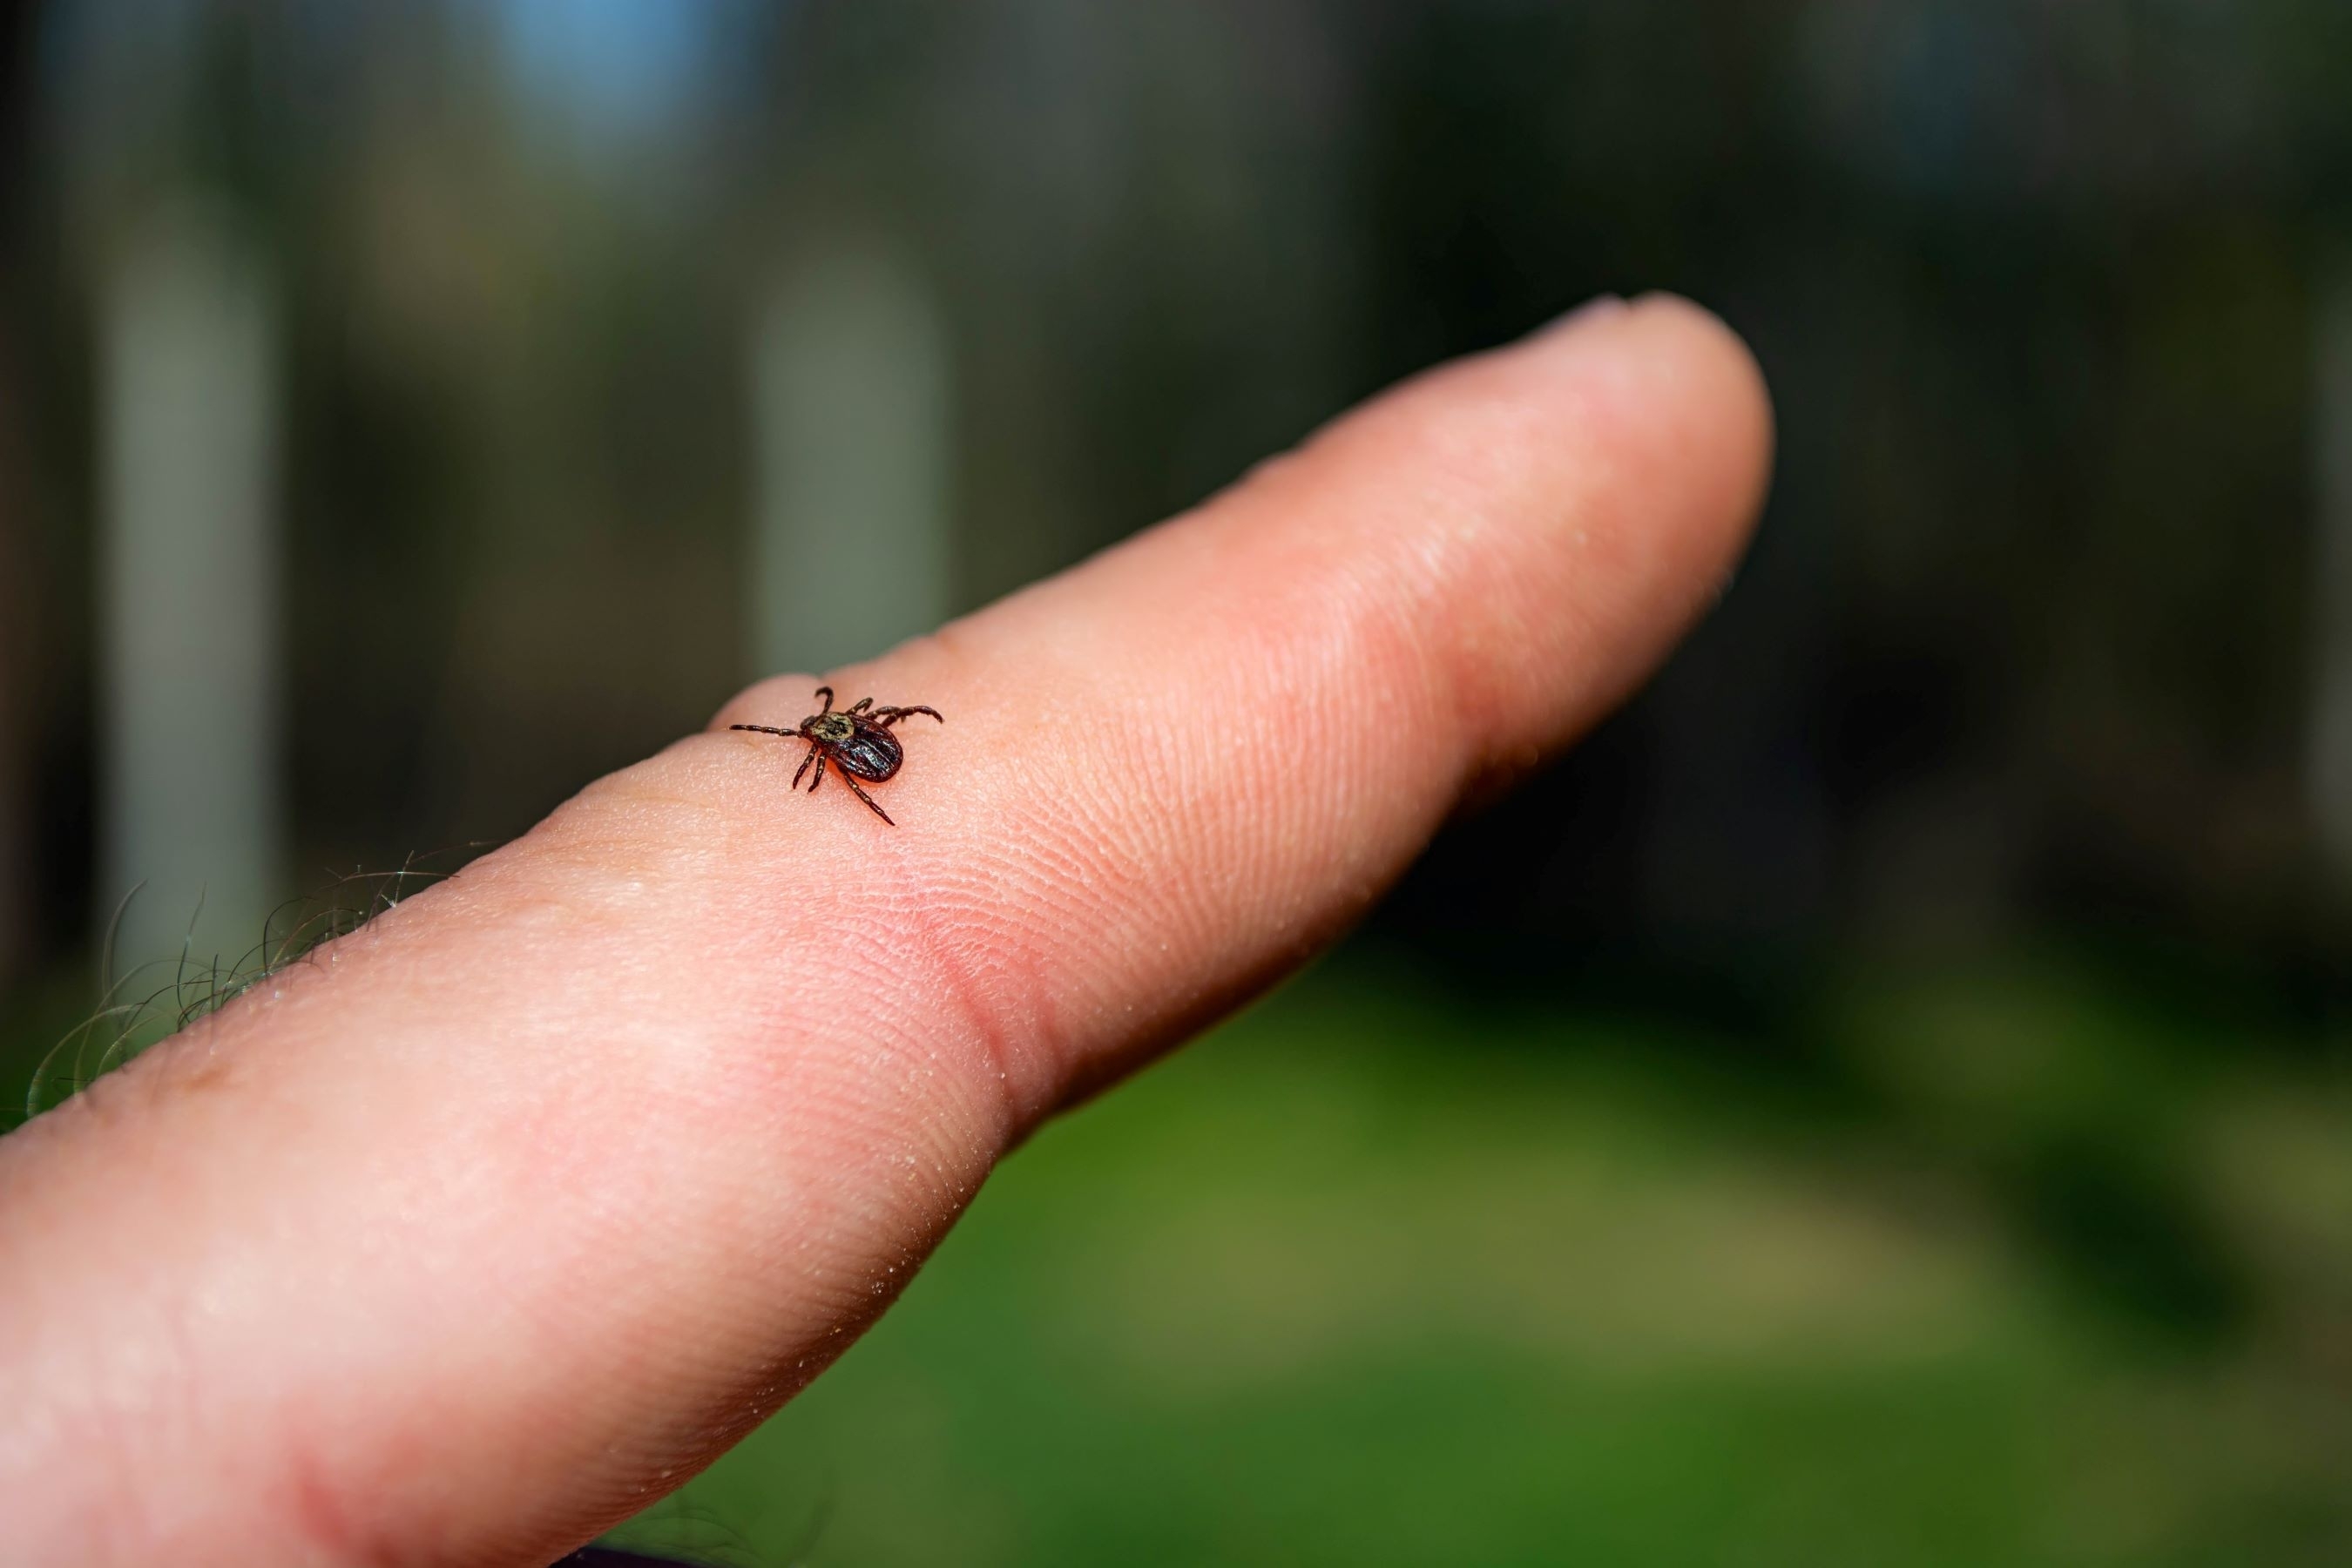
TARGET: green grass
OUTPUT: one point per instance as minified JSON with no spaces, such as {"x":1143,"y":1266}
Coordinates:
{"x":1359,"y":1280}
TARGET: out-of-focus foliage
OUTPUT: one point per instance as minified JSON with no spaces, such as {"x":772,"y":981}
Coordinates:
{"x":2030,"y":634}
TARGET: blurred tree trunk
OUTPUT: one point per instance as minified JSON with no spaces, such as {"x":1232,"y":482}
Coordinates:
{"x":190,"y":560}
{"x":851,"y":398}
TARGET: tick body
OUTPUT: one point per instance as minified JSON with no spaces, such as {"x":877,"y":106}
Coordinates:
{"x":856,"y":741}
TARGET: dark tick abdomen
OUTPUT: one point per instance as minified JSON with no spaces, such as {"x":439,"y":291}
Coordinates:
{"x":872,"y":755}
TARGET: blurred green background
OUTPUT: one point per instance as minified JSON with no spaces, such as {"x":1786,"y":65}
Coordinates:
{"x":1887,"y":1098}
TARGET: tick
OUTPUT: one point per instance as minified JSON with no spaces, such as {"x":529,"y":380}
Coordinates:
{"x":857,"y":741}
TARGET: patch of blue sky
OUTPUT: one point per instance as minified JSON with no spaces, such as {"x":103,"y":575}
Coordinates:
{"x":624,"y":66}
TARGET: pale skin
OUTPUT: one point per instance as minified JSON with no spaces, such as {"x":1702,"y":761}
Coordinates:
{"x":518,"y":1207}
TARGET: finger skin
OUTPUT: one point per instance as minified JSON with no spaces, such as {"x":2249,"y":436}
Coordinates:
{"x":499,"y":1219}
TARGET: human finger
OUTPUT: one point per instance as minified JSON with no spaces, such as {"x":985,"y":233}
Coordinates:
{"x":474,"y":1235}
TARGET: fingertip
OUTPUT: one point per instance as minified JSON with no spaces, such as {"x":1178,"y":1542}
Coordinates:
{"x":1727,"y":388}
{"x":1681,"y":367}
{"x":1557,"y":511}
{"x":1667,"y":422}
{"x":1599,"y":308}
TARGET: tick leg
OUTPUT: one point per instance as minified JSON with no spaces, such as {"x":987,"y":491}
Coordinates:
{"x":886,"y":717}
{"x":826,"y":694}
{"x":764,"y":729}
{"x":861,"y":705}
{"x":803,"y":767}
{"x":819,"y":754}
{"x":867,"y":798}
